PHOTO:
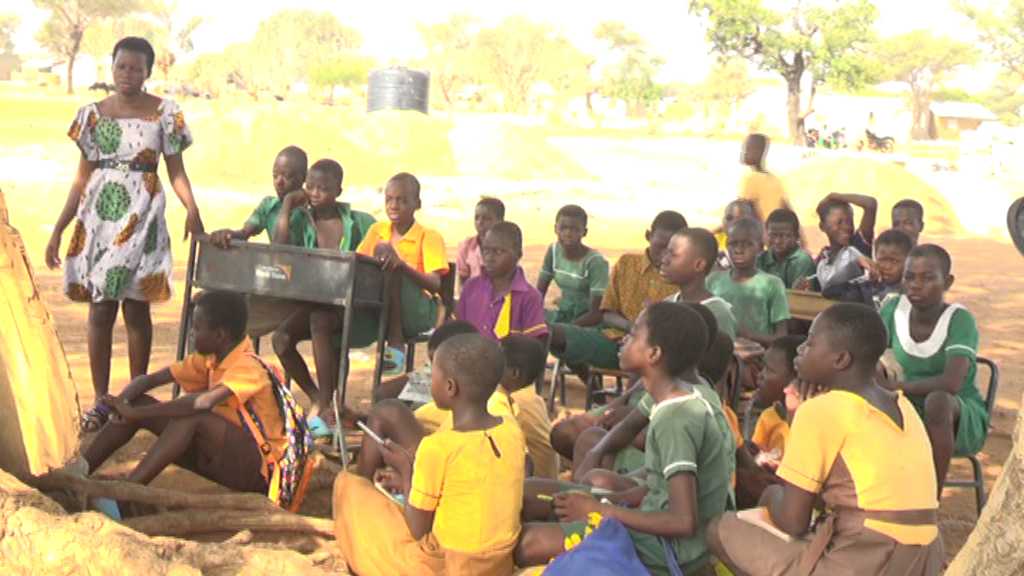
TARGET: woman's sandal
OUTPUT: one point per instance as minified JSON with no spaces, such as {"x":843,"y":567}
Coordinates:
{"x":96,"y":418}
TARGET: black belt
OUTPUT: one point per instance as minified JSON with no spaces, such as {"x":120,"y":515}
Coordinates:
{"x":126,"y":166}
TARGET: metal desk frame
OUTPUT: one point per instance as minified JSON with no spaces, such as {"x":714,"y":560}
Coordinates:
{"x":347,"y":299}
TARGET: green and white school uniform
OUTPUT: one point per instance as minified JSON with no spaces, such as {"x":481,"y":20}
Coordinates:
{"x":955,"y":334}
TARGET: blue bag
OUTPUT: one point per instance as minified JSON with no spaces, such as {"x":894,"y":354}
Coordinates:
{"x":607,"y":551}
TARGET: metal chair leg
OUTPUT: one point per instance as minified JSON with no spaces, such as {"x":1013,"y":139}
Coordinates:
{"x":555,"y":369}
{"x":979,"y":482}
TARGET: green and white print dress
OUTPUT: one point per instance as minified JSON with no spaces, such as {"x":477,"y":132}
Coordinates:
{"x":120,"y":247}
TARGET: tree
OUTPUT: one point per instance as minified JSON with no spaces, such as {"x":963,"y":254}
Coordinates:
{"x":805,"y":42}
{"x":174,"y":41}
{"x":63,"y":31}
{"x":727,"y":85}
{"x":346,"y":70}
{"x":519,"y":53}
{"x":1005,"y":98}
{"x":999,"y":26}
{"x":451,"y":47}
{"x":292,"y":41}
{"x":209,"y":73}
{"x":9,"y":24}
{"x":922,"y":61}
{"x":631,"y":79}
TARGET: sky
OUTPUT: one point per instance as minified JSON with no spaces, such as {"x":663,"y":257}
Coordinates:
{"x":389,"y":27}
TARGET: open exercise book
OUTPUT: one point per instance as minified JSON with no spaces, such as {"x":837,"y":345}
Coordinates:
{"x":417,"y":388}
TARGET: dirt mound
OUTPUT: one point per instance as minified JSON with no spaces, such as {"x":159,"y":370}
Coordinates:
{"x":506,"y":151}
{"x":808,"y":183}
{"x":236,"y":146}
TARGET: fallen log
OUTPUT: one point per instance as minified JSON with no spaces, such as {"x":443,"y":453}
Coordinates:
{"x":184,"y":523}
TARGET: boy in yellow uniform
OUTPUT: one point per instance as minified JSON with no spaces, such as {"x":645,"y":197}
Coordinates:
{"x":463,"y":490}
{"x":861,"y":449}
{"x":772,"y":430}
{"x":761,"y":188}
{"x":415,"y":255}
{"x":525,"y":359}
{"x":200,"y":430}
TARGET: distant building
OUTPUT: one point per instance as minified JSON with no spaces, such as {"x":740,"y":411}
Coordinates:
{"x":948,"y":120}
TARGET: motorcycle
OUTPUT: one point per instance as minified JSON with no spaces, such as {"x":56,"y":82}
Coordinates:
{"x":884,"y":144}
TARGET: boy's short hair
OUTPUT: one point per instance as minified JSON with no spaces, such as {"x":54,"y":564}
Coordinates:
{"x":710,"y":322}
{"x":225,"y":311}
{"x":910,"y":204}
{"x":705,"y":244}
{"x":896,"y":238}
{"x":509,"y":231}
{"x":716,"y":362}
{"x":934,"y":251}
{"x":789,"y":345}
{"x":857,"y":329}
{"x":408,"y":180}
{"x":751,"y":224}
{"x":297,"y":155}
{"x":329,"y":168}
{"x":829,"y":205}
{"x":669,"y":220}
{"x":494,"y":205}
{"x":748,"y":208}
{"x":136,"y":44}
{"x":785,"y":216}
{"x":475,"y":362}
{"x":680,"y":333}
{"x":526,"y":354}
{"x":447,"y":330}
{"x":572,"y":211}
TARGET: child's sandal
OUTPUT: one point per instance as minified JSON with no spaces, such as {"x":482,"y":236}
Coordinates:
{"x":96,"y":418}
{"x":394,"y":362}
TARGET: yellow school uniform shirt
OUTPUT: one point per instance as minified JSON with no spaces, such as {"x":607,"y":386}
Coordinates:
{"x":734,"y":425}
{"x":248,"y":381}
{"x":435,"y":419}
{"x":855,"y":456}
{"x":473,"y":482}
{"x":532,"y":414}
{"x":421,"y":248}
{"x":771,"y":431}
{"x":764,"y":190}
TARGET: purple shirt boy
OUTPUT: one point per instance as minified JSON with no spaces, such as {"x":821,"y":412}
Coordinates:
{"x":518,"y":312}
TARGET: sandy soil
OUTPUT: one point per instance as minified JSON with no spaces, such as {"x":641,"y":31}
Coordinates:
{"x":637,"y":179}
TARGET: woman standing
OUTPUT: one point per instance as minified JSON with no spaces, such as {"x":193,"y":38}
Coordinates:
{"x":120,"y":252}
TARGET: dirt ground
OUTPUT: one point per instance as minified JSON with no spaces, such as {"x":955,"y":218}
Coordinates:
{"x":988,"y":269}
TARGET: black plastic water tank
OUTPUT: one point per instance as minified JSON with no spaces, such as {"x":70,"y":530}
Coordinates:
{"x":398,"y":88}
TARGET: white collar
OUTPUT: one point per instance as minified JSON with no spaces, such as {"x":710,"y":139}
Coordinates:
{"x":928,"y":348}
{"x":695,"y":395}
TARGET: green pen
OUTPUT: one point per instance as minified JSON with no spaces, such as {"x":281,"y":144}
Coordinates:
{"x":545,"y":497}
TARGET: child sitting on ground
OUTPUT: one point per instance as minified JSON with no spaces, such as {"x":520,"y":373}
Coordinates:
{"x":861,"y":449}
{"x":414,"y":387}
{"x":772,"y":429}
{"x":936,"y":345}
{"x":785,"y":257}
{"x":686,"y":263}
{"x":327,"y":224}
{"x":200,"y":430}
{"x":848,"y":252}
{"x":758,"y":299}
{"x":884,"y":279}
{"x":414,"y":255}
{"x":687,"y":473}
{"x":469,"y":262}
{"x":908,"y":216}
{"x":525,"y":360}
{"x":580,"y":272}
{"x":463,"y":487}
{"x":500,"y":302}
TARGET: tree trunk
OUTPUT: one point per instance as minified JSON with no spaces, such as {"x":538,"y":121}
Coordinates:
{"x":796,"y":124}
{"x":994,"y":546}
{"x":76,"y":36}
